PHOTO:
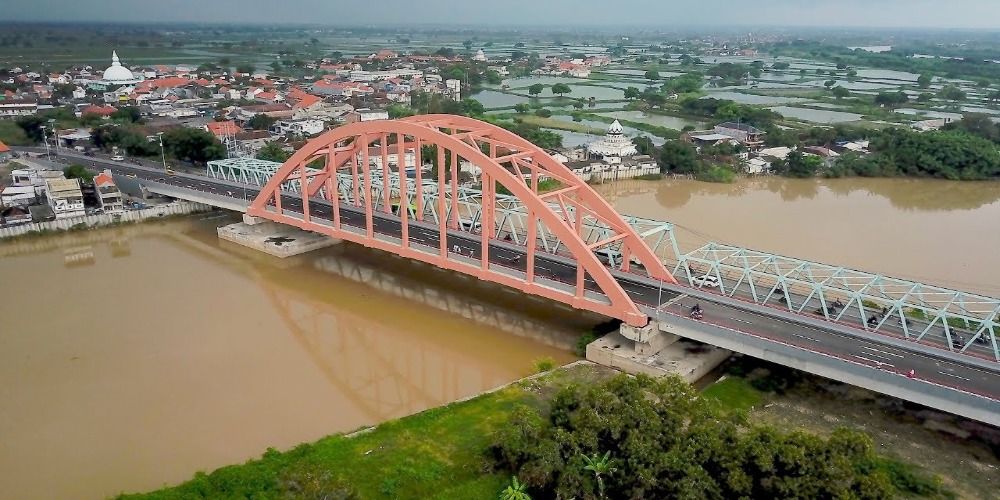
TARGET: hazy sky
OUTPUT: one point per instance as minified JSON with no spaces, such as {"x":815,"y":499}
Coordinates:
{"x":667,"y":13}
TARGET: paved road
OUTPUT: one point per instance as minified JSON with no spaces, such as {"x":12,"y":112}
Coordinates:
{"x":871,"y":351}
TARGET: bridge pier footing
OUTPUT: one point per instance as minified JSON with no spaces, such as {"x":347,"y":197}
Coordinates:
{"x":655,"y":350}
{"x":272,"y":238}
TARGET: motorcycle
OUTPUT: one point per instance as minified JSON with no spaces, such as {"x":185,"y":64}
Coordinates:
{"x":696,"y":313}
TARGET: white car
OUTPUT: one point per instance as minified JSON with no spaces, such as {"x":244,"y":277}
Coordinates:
{"x":117,"y":158}
{"x":706,"y":281}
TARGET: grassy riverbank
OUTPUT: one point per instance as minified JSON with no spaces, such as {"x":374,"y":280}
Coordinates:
{"x":434,"y":454}
{"x":439,"y":453}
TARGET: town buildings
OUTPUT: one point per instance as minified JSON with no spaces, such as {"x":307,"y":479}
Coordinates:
{"x":65,"y":198}
{"x":109,"y":198}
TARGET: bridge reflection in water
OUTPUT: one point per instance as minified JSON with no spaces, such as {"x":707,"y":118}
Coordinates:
{"x":366,"y":325}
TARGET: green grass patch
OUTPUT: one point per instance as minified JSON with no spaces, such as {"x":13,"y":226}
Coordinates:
{"x":916,"y":314}
{"x":11,"y":134}
{"x":910,"y":480}
{"x":734,"y":393}
{"x":650,"y":177}
{"x":559,"y":124}
{"x":870,"y":304}
{"x":716,"y":173}
{"x":544,"y":365}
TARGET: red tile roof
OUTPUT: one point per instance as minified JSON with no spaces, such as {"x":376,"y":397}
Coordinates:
{"x":102,"y":179}
{"x":171,"y":82}
{"x":98,"y":110}
{"x":307,"y":100}
{"x":224,"y":128}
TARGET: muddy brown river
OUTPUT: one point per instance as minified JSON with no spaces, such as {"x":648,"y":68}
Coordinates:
{"x":937,"y":232}
{"x":133,"y":357}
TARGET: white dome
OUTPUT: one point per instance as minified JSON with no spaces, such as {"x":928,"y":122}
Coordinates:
{"x":117,"y":72}
{"x":616,"y":128}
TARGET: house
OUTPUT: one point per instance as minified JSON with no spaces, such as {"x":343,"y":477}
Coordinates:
{"x":251,"y":141}
{"x":366,"y":115}
{"x":708,"y":139}
{"x":109,"y":197}
{"x":17,"y":107}
{"x":820,"y":151}
{"x":18,"y":196}
{"x":13,"y":216}
{"x":65,"y":198}
{"x":392,"y":157}
{"x":747,"y":135}
{"x":757,"y":166}
{"x":5,"y":153}
{"x":79,"y":93}
{"x":299,"y":127}
{"x":222,"y":129}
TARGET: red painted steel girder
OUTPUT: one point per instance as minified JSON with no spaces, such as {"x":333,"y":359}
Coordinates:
{"x":503,"y":158}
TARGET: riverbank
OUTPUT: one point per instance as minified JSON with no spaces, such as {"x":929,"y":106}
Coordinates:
{"x":439,"y":453}
{"x":178,"y":208}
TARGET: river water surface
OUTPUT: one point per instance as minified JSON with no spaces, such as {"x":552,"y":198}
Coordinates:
{"x":133,"y":357}
{"x":936,"y":232}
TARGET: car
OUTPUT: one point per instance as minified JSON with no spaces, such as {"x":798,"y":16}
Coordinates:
{"x":706,"y":281}
{"x":117,"y":158}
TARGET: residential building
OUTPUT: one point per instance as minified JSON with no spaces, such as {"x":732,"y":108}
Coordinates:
{"x":749,"y":136}
{"x":223,"y":129}
{"x":454,"y":88}
{"x":12,"y":216}
{"x":109,"y":197}
{"x":17,"y":107}
{"x":65,"y":198}
{"x":392,"y":157}
{"x":366,"y":115}
{"x":18,"y":196}
{"x":299,"y":127}
{"x":701,"y":140}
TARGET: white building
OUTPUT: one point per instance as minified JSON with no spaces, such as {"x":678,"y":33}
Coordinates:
{"x":109,"y":197}
{"x":65,"y":197}
{"x":299,"y":127}
{"x":116,"y":74}
{"x":480,"y":56}
{"x":22,"y":196}
{"x":392,"y":157}
{"x":366,"y":115}
{"x":454,"y":88}
{"x":613,"y":144}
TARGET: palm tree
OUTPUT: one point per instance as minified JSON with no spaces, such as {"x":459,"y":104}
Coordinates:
{"x":599,"y":465}
{"x":515,"y":491}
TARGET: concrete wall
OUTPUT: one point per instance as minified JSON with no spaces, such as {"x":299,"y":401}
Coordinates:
{"x":885,"y":382}
{"x":175,"y":208}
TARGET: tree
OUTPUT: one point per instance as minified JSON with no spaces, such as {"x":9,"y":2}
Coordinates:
{"x":194,"y":145}
{"x":677,"y":157}
{"x":840,"y":92}
{"x":652,"y":75}
{"x":925,"y":97}
{"x":245,"y":68}
{"x":493,"y":78}
{"x":924,"y":80}
{"x":830,"y":83}
{"x":851,"y":74}
{"x":78,"y":172}
{"x":951,"y":92}
{"x":800,"y":165}
{"x":780,"y":65}
{"x":272,"y":151}
{"x":644,"y":145}
{"x":561,"y":88}
{"x":467,"y":44}
{"x":535,"y":89}
{"x":472,"y":107}
{"x":260,"y":121}
{"x":127,"y":114}
{"x":521,"y":108}
{"x":891,"y":99}
{"x":515,"y":491}
{"x":599,"y":465}
{"x":544,"y":113}
{"x":578,"y":104}
{"x":631,"y":93}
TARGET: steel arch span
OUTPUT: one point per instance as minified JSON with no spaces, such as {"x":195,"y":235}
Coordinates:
{"x":308,"y":193}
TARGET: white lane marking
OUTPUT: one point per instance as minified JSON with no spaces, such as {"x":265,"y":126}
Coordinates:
{"x":882,"y":352}
{"x":879,"y":363}
{"x":952,"y":375}
{"x":880,"y":357}
{"x":742,"y":321}
{"x":804,"y":337}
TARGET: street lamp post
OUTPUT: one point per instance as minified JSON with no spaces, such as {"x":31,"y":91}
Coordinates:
{"x":163,"y":154}
{"x":45,"y":139}
{"x":55,"y":133}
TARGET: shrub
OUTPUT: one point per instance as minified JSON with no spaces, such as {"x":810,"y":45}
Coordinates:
{"x":544,"y":364}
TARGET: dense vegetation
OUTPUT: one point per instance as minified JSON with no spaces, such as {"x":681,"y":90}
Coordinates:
{"x":655,"y":438}
{"x":899,"y":59}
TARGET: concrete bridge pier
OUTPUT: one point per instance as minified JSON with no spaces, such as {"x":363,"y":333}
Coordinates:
{"x":273,"y":238}
{"x":655,"y":350}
